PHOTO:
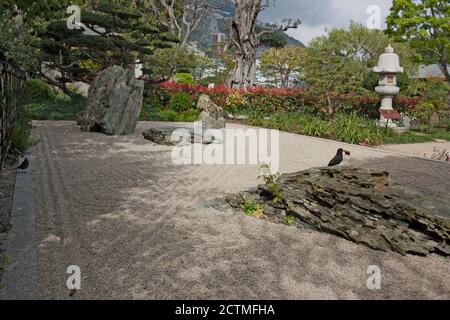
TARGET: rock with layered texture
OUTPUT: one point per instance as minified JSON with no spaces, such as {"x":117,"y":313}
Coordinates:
{"x":363,"y":206}
{"x":171,"y":136}
{"x":114,"y":102}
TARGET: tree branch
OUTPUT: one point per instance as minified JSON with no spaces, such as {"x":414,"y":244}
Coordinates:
{"x":290,"y":24}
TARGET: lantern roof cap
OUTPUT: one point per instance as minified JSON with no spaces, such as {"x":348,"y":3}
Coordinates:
{"x":389,"y":49}
{"x":388,"y":62}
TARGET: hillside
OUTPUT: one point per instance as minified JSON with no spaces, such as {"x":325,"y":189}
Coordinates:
{"x":220,"y":23}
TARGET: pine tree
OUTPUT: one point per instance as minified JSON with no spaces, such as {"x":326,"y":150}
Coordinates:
{"x":108,"y":33}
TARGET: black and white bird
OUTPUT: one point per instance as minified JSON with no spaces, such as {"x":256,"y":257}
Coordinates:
{"x":338,"y":158}
{"x":23,"y":164}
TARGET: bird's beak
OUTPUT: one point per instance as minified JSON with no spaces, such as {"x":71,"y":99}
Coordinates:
{"x":347,"y":152}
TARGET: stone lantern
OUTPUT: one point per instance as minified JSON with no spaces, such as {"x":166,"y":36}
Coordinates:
{"x":388,"y":67}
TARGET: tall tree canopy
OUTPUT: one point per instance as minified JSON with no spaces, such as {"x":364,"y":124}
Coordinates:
{"x":16,"y":41}
{"x":425,"y":24}
{"x":281,"y":64}
{"x":109,"y":32}
{"x":245,"y":38}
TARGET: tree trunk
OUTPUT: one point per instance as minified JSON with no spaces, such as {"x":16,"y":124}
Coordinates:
{"x":447,"y":77}
{"x":330,"y":105}
{"x":445,"y":70}
{"x":244,"y":73}
{"x":285,"y":79}
{"x":245,"y":40}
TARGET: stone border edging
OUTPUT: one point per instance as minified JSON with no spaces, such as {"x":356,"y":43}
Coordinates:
{"x":19,"y":281}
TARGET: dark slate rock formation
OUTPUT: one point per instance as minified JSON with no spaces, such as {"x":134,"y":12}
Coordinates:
{"x":363,"y":206}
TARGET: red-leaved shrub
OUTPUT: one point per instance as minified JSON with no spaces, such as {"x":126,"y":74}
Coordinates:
{"x":268,"y":100}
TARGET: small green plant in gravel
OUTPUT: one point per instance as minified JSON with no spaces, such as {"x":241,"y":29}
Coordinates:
{"x":270,"y":179}
{"x":251,"y":208}
{"x":289,"y":220}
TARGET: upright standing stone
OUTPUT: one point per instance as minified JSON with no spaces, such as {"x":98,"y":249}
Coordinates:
{"x":212,"y":116}
{"x":114,"y":102}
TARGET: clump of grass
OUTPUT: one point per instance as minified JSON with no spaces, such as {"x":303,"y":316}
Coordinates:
{"x":56,"y":109}
{"x":418,"y":137}
{"x":149,"y":113}
{"x":354,"y":129}
{"x":350,"y":128}
{"x":270,"y":179}
{"x":42,"y":102}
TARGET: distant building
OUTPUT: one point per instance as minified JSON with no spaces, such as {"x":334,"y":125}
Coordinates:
{"x":193,"y":48}
{"x":219,"y":37}
{"x":431,"y":71}
{"x":218,"y":42}
{"x":138,"y":69}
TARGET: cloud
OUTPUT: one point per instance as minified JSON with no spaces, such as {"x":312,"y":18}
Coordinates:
{"x":305,"y":33}
{"x":317,"y":15}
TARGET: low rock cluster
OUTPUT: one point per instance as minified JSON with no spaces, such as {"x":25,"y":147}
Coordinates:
{"x":211,"y":117}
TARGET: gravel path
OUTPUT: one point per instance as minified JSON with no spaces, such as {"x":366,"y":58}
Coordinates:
{"x":135,"y":224}
{"x":425,"y":150}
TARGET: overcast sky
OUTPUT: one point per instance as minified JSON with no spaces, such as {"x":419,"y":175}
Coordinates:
{"x":317,"y":15}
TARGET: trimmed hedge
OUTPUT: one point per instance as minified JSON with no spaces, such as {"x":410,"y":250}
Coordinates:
{"x":270,"y":100}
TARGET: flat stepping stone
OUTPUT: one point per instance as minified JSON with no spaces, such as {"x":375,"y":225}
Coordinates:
{"x":172,"y":136}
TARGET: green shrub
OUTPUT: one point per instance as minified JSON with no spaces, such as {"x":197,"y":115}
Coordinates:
{"x":436,"y":90}
{"x":169,"y":115}
{"x":355,"y":129}
{"x":155,"y":113}
{"x":55,"y":109}
{"x":432,"y":110}
{"x":347,"y":128}
{"x":314,"y":126}
{"x":184,"y":78}
{"x":42,"y":102}
{"x":190,"y":115}
{"x":37,"y":90}
{"x":181,"y":101}
{"x":428,"y":113}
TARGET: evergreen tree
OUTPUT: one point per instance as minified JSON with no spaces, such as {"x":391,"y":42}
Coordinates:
{"x":107,"y":33}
